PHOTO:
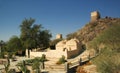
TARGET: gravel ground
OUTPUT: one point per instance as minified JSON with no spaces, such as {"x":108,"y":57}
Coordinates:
{"x":14,"y":63}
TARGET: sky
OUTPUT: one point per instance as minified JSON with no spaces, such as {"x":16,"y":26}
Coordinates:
{"x":58,"y":16}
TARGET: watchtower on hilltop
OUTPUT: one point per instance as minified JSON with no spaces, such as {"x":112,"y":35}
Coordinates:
{"x":95,"y":16}
{"x":59,"y":36}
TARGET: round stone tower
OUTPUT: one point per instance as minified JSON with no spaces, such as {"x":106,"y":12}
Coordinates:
{"x":95,"y":15}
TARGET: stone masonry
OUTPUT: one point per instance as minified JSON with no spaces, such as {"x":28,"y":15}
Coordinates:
{"x":95,"y":15}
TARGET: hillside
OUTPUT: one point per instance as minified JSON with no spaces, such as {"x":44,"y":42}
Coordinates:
{"x":93,"y":29}
{"x":103,"y":36}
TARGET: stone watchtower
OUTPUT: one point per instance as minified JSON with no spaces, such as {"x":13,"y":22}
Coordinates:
{"x":59,"y":36}
{"x":95,"y":16}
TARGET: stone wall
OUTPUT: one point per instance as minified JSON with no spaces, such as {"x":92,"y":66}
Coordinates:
{"x":73,"y":53}
{"x":49,"y":54}
{"x":61,"y":45}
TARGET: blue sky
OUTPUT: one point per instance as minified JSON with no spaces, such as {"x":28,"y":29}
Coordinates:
{"x":58,"y":16}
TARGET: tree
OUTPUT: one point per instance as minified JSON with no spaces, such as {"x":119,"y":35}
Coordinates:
{"x":44,"y":39}
{"x":2,"y":48}
{"x":33,"y":35}
{"x":26,"y":33}
{"x":1,"y":42}
{"x":2,"y":45}
{"x":14,"y":44}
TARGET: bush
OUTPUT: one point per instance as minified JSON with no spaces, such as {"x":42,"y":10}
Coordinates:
{"x":61,"y":60}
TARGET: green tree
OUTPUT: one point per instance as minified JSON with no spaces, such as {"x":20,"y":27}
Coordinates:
{"x":1,"y":43}
{"x":44,"y":39}
{"x":33,"y":35}
{"x":2,"y":46}
{"x":14,"y":44}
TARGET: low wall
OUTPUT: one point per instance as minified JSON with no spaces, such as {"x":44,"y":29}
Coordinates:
{"x":73,"y":53}
{"x":49,"y":54}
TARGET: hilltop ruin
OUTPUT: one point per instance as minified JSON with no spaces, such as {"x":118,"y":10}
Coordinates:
{"x":95,"y":15}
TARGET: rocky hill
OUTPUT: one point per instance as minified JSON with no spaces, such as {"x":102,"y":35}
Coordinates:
{"x":105,"y":31}
{"x":93,"y":29}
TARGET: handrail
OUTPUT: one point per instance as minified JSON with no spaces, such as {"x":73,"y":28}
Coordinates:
{"x":76,"y":63}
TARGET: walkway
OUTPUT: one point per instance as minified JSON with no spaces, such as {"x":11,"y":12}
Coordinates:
{"x":85,"y":56}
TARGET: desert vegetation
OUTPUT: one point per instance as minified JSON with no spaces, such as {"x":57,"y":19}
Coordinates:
{"x":102,"y":36}
{"x":108,"y":60}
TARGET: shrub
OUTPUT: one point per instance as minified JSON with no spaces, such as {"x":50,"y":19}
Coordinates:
{"x":61,"y":60}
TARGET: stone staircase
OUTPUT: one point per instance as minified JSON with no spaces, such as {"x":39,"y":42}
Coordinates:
{"x":54,"y":67}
